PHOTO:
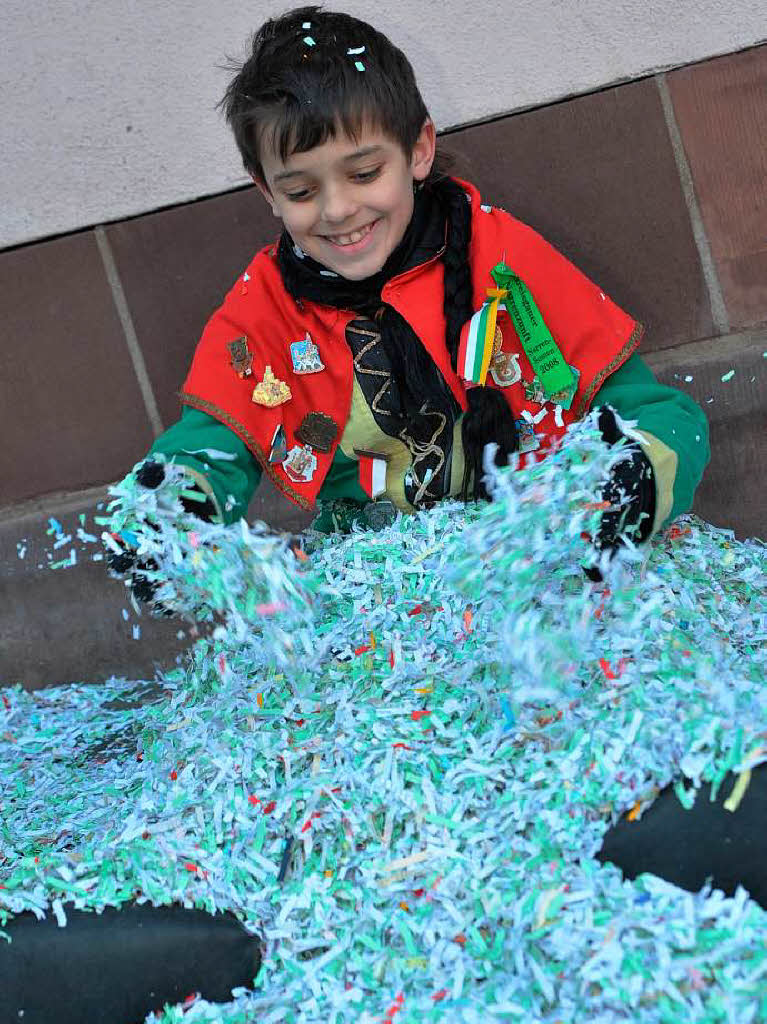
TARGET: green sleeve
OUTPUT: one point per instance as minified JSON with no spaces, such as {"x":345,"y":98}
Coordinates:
{"x":219,"y":461}
{"x":224,"y":468}
{"x":674,"y":429}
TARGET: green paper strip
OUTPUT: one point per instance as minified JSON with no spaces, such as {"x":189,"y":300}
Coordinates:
{"x":547,"y":361}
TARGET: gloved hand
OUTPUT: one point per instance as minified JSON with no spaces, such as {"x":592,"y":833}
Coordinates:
{"x":125,"y":563}
{"x":629,"y":490}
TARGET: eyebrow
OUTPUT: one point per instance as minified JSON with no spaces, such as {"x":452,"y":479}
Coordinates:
{"x":358,"y":155}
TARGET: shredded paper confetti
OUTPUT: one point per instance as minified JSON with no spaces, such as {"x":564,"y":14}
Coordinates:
{"x":395,"y":757}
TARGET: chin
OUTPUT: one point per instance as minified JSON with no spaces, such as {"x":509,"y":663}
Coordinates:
{"x":354,"y":274}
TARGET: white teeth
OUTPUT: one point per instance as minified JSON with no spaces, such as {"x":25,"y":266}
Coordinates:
{"x":355,"y":236}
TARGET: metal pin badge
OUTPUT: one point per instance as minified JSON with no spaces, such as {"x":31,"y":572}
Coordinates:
{"x":241,"y":357}
{"x":318,"y":430}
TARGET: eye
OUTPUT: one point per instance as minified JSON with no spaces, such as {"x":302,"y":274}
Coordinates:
{"x":298,"y":197}
{"x":363,"y":176}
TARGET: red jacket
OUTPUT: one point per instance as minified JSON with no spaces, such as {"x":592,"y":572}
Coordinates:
{"x":593,"y":334}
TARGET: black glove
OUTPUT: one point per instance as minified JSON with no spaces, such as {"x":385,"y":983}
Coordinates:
{"x":630,"y":491}
{"x":151,"y":474}
{"x":125,"y":563}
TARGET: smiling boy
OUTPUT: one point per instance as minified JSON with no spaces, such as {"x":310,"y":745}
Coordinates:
{"x":347,"y":203}
{"x":340,"y":363}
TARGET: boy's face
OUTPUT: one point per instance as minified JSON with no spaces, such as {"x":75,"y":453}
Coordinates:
{"x":345,"y":203}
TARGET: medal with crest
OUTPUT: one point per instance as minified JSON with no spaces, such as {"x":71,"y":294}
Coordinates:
{"x":504,"y":366}
{"x":305,"y":356}
{"x":300,"y":464}
{"x":241,"y":358}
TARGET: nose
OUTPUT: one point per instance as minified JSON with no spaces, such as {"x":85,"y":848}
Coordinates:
{"x":339,"y":204}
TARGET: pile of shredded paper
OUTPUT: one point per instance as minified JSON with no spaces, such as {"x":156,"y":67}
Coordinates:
{"x":394,"y":758}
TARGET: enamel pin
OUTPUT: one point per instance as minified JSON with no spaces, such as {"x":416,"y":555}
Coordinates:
{"x":279,"y":449}
{"x":271,"y":391}
{"x":242,"y":359}
{"x":528,"y":442}
{"x":318,"y":430}
{"x":566,"y":395}
{"x":534,"y":391}
{"x":300,"y":464}
{"x":306,"y":356}
{"x":505,"y":369}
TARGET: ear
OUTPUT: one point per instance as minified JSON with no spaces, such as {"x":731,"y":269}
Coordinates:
{"x":423,"y":151}
{"x":263,"y":188}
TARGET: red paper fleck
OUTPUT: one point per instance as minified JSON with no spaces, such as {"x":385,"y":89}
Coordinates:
{"x":189,"y":866}
{"x":401,"y":746}
{"x":253,"y":800}
{"x":419,"y":713}
{"x":421,"y":608}
{"x":174,"y":774}
{"x":439,"y":996}
{"x":674,"y":532}
{"x":396,"y":1007}
{"x":268,"y":808}
{"x":605,"y":666}
{"x":308,"y":823}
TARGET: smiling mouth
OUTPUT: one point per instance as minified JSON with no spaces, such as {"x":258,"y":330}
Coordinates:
{"x":353,"y":237}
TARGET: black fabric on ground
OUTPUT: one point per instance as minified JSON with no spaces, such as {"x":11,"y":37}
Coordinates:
{"x":687,"y":847}
{"x":118,"y":966}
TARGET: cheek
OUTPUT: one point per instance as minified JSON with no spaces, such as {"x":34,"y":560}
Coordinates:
{"x":297,"y":219}
{"x":399,"y":201}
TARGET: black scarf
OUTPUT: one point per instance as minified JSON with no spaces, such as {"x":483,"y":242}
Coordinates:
{"x":418,"y":380}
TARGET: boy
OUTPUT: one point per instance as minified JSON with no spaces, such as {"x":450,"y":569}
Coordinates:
{"x":400,"y":324}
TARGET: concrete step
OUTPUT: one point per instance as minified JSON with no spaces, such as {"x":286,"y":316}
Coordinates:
{"x":76,"y":624}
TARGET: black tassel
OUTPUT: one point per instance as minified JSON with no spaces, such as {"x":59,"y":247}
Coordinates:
{"x":488,"y":419}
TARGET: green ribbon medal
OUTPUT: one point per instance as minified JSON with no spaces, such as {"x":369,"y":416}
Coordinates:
{"x":540,"y":348}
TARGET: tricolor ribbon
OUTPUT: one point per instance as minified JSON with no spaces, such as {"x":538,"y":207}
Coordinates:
{"x":372,"y":470}
{"x":478,"y":339}
{"x":475,"y":352}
